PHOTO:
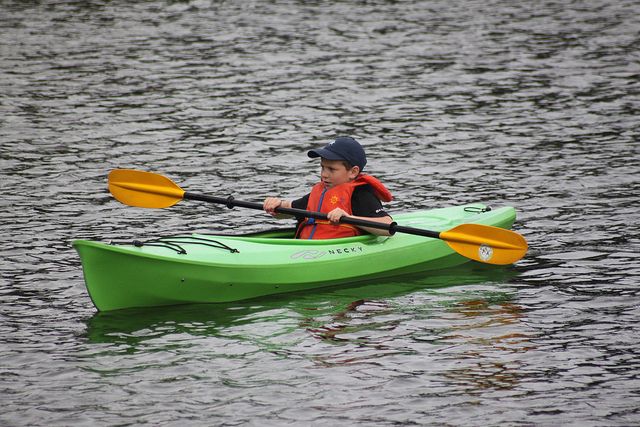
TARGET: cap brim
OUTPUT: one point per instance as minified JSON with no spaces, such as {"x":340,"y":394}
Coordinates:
{"x":325,"y":154}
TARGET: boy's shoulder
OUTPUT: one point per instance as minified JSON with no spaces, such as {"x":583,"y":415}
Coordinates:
{"x":363,"y":191}
{"x":364,"y":187}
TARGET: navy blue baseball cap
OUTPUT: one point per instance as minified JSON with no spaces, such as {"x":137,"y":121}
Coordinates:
{"x":343,"y":148}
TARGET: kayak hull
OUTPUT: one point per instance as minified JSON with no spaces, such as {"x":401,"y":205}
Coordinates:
{"x":219,"y":268}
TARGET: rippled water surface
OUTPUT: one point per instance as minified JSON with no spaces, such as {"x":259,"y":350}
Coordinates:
{"x":529,"y":104}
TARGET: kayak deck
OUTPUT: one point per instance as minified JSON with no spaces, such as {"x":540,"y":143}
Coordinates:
{"x":201,"y":268}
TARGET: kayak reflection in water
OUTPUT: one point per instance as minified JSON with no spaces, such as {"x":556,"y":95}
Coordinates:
{"x":343,"y":190}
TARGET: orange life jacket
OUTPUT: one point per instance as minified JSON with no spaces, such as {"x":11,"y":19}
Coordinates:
{"x":325,"y":200}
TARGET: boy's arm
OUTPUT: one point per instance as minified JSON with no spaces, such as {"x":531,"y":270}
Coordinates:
{"x":381,"y":219}
{"x":272,"y":203}
{"x":335,"y":215}
{"x":367,"y":206}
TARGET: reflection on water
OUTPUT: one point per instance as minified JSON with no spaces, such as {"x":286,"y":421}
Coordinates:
{"x":488,"y":325}
{"x":533,"y":105}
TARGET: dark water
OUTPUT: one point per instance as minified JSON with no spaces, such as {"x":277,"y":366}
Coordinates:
{"x":529,"y":104}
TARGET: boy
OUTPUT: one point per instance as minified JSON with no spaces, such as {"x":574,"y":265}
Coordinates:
{"x":342,"y":191}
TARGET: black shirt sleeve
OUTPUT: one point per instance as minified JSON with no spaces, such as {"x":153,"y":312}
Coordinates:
{"x":300,"y":203}
{"x":365,"y":203}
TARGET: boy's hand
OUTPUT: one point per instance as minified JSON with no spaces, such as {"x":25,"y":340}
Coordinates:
{"x":335,"y":215}
{"x":270,"y":204}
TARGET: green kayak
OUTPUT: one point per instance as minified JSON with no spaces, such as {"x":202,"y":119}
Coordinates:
{"x":200,"y":268}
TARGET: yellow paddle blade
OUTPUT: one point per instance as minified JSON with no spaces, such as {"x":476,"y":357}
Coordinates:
{"x":484,"y":243}
{"x":143,"y":189}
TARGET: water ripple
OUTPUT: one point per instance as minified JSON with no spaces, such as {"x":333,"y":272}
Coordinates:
{"x":530,"y":105}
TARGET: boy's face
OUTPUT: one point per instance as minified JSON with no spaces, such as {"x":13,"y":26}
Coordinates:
{"x":334,"y":172}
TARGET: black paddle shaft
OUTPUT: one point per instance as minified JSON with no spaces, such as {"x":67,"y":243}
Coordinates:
{"x":392,"y":228}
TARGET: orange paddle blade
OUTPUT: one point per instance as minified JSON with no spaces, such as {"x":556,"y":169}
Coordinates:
{"x":143,"y":189}
{"x":485,"y":243}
